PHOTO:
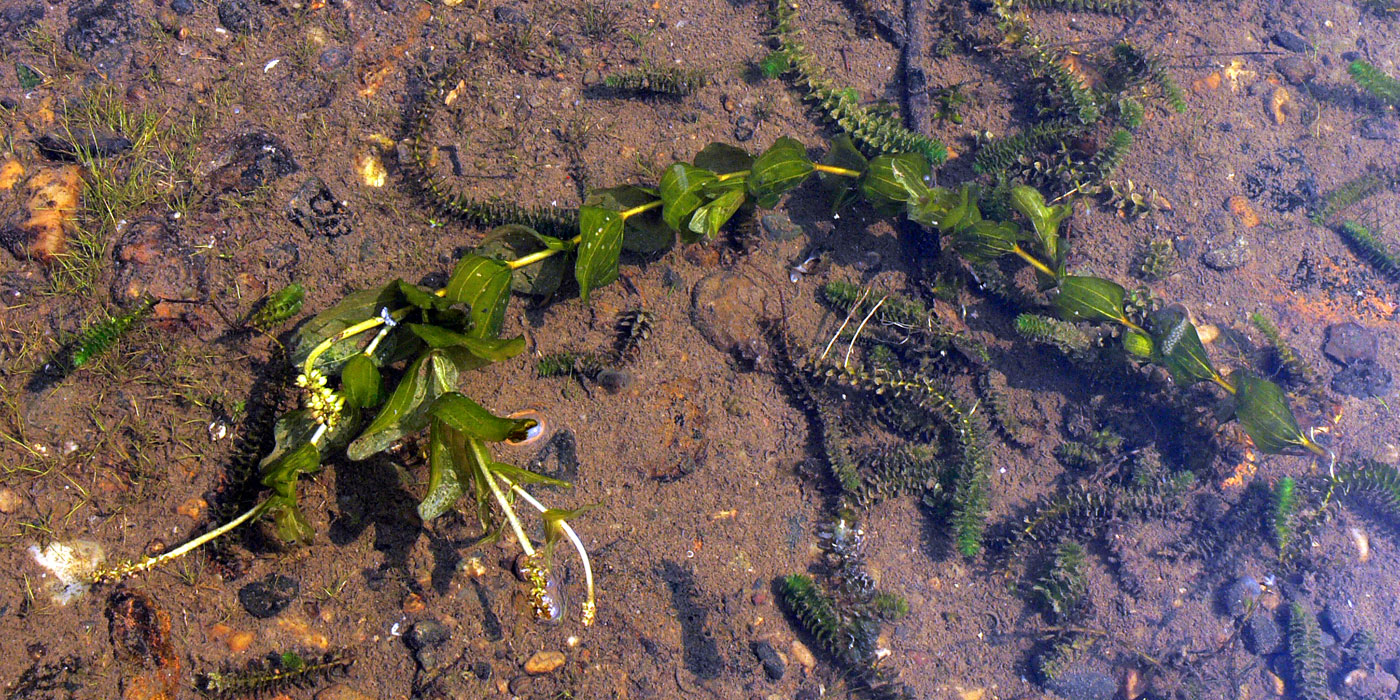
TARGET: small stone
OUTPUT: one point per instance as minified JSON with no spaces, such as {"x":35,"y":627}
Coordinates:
{"x":779,"y":227}
{"x":334,"y":57}
{"x":1349,"y":342}
{"x":1262,"y":635}
{"x":1380,"y":129}
{"x":1133,"y":686}
{"x":240,"y":641}
{"x":802,"y":656}
{"x":1291,"y":41}
{"x":9,"y":500}
{"x":1228,"y":257}
{"x":426,"y":635}
{"x":182,"y":7}
{"x":1279,"y":99}
{"x":192,"y":508}
{"x":238,"y":17}
{"x":773,"y":664}
{"x":1237,"y":597}
{"x":413,"y":604}
{"x":1084,"y":685}
{"x":341,"y":691}
{"x":544,"y":662}
{"x":519,"y":685}
{"x":268,"y":597}
{"x":507,"y":14}
{"x":1243,"y":211}
{"x":614,"y":380}
{"x":1295,"y":69}
{"x":744,"y":129}
{"x":482,"y":670}
{"x":1338,"y":620}
{"x":1363,"y":379}
{"x":315,"y":208}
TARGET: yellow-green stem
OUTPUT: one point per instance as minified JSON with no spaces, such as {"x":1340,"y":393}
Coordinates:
{"x":117,"y":573}
{"x":836,"y":170}
{"x":1030,"y":259}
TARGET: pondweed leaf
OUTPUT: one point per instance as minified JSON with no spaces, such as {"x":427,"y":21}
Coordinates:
{"x":1089,"y":299}
{"x":892,"y":180}
{"x":723,"y":158}
{"x":406,"y":410}
{"x":781,"y":168}
{"x":422,"y":297}
{"x":513,"y":241}
{"x":360,"y":381}
{"x":1045,"y":219}
{"x":1263,"y":412}
{"x":643,"y":233}
{"x":986,"y":241}
{"x":709,"y":218}
{"x":682,"y":192}
{"x":1179,"y":348}
{"x":483,"y":284}
{"x":469,"y":418}
{"x":946,"y":210}
{"x":843,"y":189}
{"x":489,"y":349}
{"x":351,"y":310}
{"x":599,"y":249}
{"x":446,"y":457}
{"x":525,"y":476}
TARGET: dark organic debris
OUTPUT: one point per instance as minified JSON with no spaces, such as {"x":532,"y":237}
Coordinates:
{"x":251,"y":161}
{"x":316,"y":210}
{"x":268,"y":597}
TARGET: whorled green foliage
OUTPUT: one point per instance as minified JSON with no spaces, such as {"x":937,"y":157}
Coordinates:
{"x":99,"y":337}
{"x":1000,"y":155}
{"x":663,"y":80}
{"x":1355,"y":191}
{"x":1370,"y":248}
{"x":1068,"y":337}
{"x":1138,"y":65}
{"x":1110,"y":7}
{"x":1296,"y":368}
{"x":1306,"y":654}
{"x":1375,"y":81}
{"x":1283,"y":514}
{"x":277,"y":307}
{"x":851,"y":641}
{"x":1064,"y":587}
{"x":1371,"y":482}
{"x":874,"y":131}
{"x":992,"y":386}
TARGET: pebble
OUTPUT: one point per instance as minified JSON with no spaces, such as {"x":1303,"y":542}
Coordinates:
{"x":773,"y":664}
{"x":238,"y":642}
{"x":152,"y":260}
{"x":9,"y":500}
{"x":1262,"y":635}
{"x":1243,"y":211}
{"x":482,"y":670}
{"x":505,"y":14}
{"x":341,"y":691}
{"x":779,"y":227}
{"x":1237,"y":596}
{"x":426,"y":635}
{"x":1291,"y":41}
{"x":1349,"y":342}
{"x":744,"y":129}
{"x":1295,"y":69}
{"x":182,"y":7}
{"x":1363,"y":379}
{"x":251,"y":161}
{"x":334,"y":57}
{"x":1084,"y":685}
{"x":268,"y":597}
{"x":317,"y":210}
{"x":725,"y":307}
{"x":1228,"y":257}
{"x":1380,"y":129}
{"x":1339,"y":620}
{"x":544,"y":662}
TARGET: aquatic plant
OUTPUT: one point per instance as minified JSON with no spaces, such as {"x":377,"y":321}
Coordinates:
{"x":1375,"y":81}
{"x":632,"y":328}
{"x":1306,"y":654}
{"x":1063,"y":588}
{"x":1284,"y":514}
{"x":99,"y":337}
{"x":1353,"y":192}
{"x":1110,"y":7}
{"x":276,"y":673}
{"x":277,"y":307}
{"x":1372,"y":482}
{"x":1371,"y":249}
{"x":658,"y":80}
{"x":1287,"y":357}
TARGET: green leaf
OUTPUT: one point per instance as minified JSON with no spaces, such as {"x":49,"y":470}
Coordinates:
{"x":1089,"y":299}
{"x":599,"y":250}
{"x":282,"y":473}
{"x":421,"y":297}
{"x":643,"y":233}
{"x":682,"y":188}
{"x":553,"y":517}
{"x":723,"y":158}
{"x":1045,"y":220}
{"x":352,"y":309}
{"x":468,"y":417}
{"x":406,"y":410}
{"x":709,"y":218}
{"x":986,"y":240}
{"x":949,"y":211}
{"x":1138,"y":345}
{"x":525,"y":476}
{"x":894,"y":179}
{"x":290,"y":523}
{"x":512,"y":242}
{"x":360,"y":381}
{"x":489,"y":349}
{"x":1263,"y":412}
{"x":841,"y":189}
{"x":27,"y":76}
{"x":1179,"y":348}
{"x":484,"y":285}
{"x":446,"y":459}
{"x":781,"y":168}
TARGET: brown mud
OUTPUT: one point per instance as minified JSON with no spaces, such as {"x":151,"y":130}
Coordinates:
{"x":247,"y":156}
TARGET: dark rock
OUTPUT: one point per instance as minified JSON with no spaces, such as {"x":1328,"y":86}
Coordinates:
{"x":519,"y":685}
{"x":1351,"y":55}
{"x":1262,"y":635}
{"x":182,"y":7}
{"x":17,"y":17}
{"x":1228,"y":257}
{"x":1084,"y":685}
{"x":252,"y":160}
{"x":1380,"y":129}
{"x":808,"y":693}
{"x":506,"y":14}
{"x":1339,"y":620}
{"x":240,"y":17}
{"x":1291,"y":41}
{"x":66,"y":146}
{"x":1237,"y":597}
{"x":101,"y":31}
{"x":153,"y":261}
{"x":614,"y":380}
{"x":744,"y":129}
{"x":1295,"y":69}
{"x":772,"y":663}
{"x":482,"y":670}
{"x":315,"y":209}
{"x":1348,"y":342}
{"x":779,"y":227}
{"x":1363,"y":379}
{"x":334,"y":57}
{"x":388,"y":5}
{"x":427,"y":634}
{"x":268,"y":597}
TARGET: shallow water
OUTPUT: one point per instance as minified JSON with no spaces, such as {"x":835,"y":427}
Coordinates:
{"x":241,"y":146}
